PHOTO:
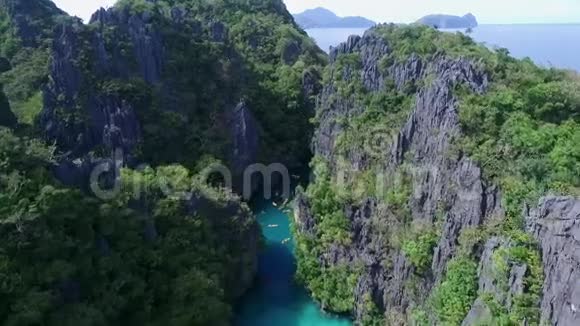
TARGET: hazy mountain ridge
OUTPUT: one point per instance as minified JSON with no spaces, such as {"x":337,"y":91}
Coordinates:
{"x":449,"y":21}
{"x":324,"y":18}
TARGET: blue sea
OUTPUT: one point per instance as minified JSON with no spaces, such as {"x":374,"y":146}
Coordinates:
{"x":548,"y":45}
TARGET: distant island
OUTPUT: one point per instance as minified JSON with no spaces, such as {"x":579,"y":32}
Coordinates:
{"x":324,"y":18}
{"x":449,"y":21}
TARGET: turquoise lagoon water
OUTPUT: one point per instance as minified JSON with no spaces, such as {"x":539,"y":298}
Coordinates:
{"x":276,"y":299}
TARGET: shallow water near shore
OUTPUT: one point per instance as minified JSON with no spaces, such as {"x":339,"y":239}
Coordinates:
{"x":276,"y":299}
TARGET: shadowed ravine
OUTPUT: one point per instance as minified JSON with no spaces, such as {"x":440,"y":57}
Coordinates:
{"x":276,"y":298}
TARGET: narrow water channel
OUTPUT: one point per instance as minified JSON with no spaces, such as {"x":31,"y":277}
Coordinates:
{"x":276,"y":299}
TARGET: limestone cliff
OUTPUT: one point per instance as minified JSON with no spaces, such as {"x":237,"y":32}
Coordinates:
{"x":400,"y":205}
{"x":554,"y":223}
{"x":173,"y":83}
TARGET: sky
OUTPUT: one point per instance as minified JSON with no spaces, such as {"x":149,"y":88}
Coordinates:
{"x":406,"y":11}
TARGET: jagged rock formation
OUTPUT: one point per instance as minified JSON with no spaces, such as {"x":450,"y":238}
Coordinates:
{"x":116,"y":84}
{"x":433,"y":204}
{"x":112,"y":122}
{"x":555,"y":224}
{"x":32,"y":20}
{"x":245,"y":137}
{"x":489,"y":284}
{"x":423,"y":141}
{"x":26,"y":33}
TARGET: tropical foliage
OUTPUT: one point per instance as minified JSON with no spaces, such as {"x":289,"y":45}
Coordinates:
{"x":142,"y":259}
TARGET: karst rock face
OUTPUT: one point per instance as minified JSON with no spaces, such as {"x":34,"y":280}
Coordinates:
{"x":440,"y":178}
{"x":104,"y":120}
{"x":171,"y":83}
{"x":80,"y":113}
{"x":448,"y":190}
{"x":555,"y":223}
